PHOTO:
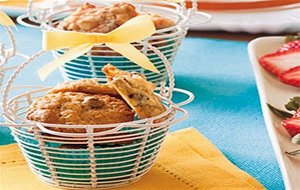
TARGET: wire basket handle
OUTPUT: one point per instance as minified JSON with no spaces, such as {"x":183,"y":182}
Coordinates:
{"x":40,"y":16}
{"x":5,"y":54}
{"x":189,"y":11}
{"x":189,"y":99}
{"x":193,"y":11}
{"x":163,"y":91}
{"x":9,"y":83}
{"x":34,"y":18}
{"x":10,"y":52}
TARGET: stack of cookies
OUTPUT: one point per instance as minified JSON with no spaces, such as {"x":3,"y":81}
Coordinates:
{"x":86,"y":102}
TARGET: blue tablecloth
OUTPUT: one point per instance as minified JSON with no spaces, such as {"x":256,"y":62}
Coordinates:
{"x":226,"y":108}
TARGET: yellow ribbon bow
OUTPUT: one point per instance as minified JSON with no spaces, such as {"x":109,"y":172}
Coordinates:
{"x":5,"y":20}
{"x":134,"y":30}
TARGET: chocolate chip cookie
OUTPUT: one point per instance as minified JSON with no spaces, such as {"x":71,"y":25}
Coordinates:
{"x":76,"y":108}
{"x":136,"y":91}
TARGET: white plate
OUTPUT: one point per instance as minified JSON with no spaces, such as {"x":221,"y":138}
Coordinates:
{"x":277,"y":94}
{"x":275,"y":20}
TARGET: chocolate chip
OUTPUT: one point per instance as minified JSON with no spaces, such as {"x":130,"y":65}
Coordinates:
{"x":138,"y":96}
{"x":93,"y":102}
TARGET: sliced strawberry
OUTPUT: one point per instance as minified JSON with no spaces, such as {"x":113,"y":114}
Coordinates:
{"x":297,"y":114}
{"x":279,"y":62}
{"x":290,"y":45}
{"x":292,"y":126}
{"x":291,"y":77}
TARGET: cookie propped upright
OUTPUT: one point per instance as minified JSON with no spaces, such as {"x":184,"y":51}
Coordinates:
{"x":136,"y":91}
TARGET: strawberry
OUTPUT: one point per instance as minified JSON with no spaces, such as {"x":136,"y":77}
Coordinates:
{"x":292,"y":126}
{"x":297,"y":114}
{"x":279,"y":62}
{"x":290,"y":45}
{"x":291,"y":77}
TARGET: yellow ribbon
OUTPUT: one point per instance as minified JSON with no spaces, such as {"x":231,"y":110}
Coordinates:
{"x":134,"y":30}
{"x":5,"y":20}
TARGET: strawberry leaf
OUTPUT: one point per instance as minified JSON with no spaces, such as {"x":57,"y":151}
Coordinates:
{"x":280,"y":113}
{"x":293,"y":104}
{"x":296,"y":139}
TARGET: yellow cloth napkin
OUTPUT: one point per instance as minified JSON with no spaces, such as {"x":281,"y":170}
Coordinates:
{"x":187,"y":161}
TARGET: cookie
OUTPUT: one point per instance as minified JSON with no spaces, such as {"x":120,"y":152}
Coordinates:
{"x":89,"y":18}
{"x":136,"y":91}
{"x":75,"y":108}
{"x":90,"y":86}
{"x":111,"y":71}
{"x":161,"y":22}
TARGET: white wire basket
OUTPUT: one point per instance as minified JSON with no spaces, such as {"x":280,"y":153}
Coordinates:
{"x":119,"y":155}
{"x":166,"y":40}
